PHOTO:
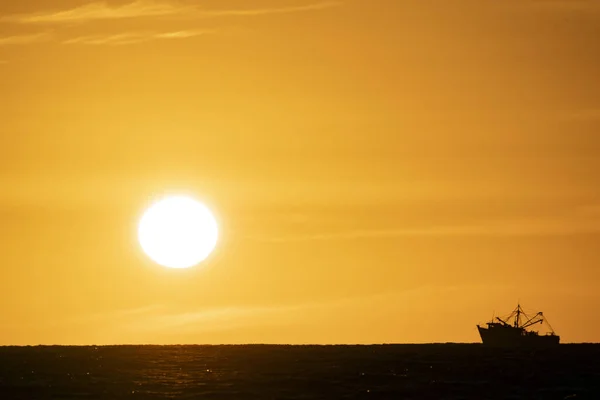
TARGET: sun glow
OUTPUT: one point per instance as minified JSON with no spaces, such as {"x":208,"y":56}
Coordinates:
{"x":178,"y":232}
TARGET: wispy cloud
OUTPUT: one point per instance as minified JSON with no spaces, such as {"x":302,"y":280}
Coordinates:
{"x":566,"y":5}
{"x":135,"y":37}
{"x":220,"y":318}
{"x":165,"y":318}
{"x":589,"y":114}
{"x":100,"y":11}
{"x":147,"y":8}
{"x":582,"y":223}
{"x":176,"y":325}
{"x":263,"y":11}
{"x":24,"y":39}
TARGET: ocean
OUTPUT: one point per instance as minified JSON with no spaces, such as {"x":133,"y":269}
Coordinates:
{"x":439,"y":371}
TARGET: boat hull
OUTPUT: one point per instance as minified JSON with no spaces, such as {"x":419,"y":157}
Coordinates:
{"x":506,"y":336}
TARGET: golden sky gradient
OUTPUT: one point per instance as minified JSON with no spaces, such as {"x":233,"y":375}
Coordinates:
{"x":383,"y":171}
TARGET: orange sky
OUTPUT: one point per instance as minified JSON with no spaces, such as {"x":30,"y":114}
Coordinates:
{"x":383,"y":171}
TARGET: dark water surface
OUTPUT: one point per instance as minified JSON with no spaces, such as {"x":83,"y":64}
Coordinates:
{"x":443,"y":371}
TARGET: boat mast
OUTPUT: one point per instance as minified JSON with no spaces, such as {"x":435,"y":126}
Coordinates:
{"x":518,"y":314}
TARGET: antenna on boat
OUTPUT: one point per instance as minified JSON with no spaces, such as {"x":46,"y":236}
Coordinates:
{"x":547,"y":323}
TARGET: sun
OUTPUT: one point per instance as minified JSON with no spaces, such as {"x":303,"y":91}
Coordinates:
{"x":178,"y":232}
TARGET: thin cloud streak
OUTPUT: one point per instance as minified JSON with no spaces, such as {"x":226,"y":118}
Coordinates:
{"x":24,"y":39}
{"x":590,"y":114}
{"x":567,"y":5}
{"x":283,"y":10}
{"x":135,"y":37}
{"x":226,"y":318}
{"x":231,"y":317}
{"x":100,"y":11}
{"x":139,"y":9}
{"x":548,"y":227}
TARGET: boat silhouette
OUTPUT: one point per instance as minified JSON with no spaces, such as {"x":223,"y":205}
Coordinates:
{"x":514,"y":331}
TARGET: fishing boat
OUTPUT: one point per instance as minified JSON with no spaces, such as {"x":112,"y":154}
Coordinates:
{"x":515,"y":331}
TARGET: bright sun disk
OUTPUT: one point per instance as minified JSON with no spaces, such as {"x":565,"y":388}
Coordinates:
{"x":178,"y":232}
